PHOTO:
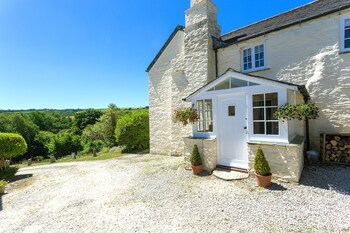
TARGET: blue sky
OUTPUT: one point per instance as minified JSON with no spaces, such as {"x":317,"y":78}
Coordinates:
{"x":89,"y":53}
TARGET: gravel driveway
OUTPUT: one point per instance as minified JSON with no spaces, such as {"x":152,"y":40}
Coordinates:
{"x":146,"y":193}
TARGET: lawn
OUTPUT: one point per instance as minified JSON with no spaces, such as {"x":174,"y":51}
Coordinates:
{"x":87,"y":157}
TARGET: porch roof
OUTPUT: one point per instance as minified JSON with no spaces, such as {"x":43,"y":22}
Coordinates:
{"x":253,"y":78}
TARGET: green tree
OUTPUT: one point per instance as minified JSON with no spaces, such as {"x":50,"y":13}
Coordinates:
{"x":132,"y":131}
{"x":84,"y":118}
{"x":65,"y":143}
{"x":21,"y":124}
{"x":11,"y":145}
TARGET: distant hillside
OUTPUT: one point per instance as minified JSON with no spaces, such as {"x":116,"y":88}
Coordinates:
{"x":67,"y":112}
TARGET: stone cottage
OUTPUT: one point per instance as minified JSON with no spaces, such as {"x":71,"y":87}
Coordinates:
{"x":237,"y":80}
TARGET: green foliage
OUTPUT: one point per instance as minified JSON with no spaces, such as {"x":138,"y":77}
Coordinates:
{"x":185,"y":116}
{"x":299,"y":112}
{"x":195,"y":157}
{"x":84,"y":118}
{"x":65,"y":143}
{"x":8,"y":173}
{"x":132,"y":131}
{"x":52,"y":122}
{"x":261,"y":166}
{"x":43,"y":142}
{"x":3,"y":183}
{"x":12,"y":145}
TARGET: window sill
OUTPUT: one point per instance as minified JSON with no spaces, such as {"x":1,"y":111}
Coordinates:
{"x":344,"y":52}
{"x":254,"y":71}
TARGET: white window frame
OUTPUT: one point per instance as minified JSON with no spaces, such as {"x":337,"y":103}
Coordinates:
{"x":204,"y":114}
{"x":265,"y":121}
{"x":254,"y":68}
{"x":342,"y":34}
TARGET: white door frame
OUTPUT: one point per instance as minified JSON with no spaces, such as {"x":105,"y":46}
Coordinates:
{"x":241,"y":161}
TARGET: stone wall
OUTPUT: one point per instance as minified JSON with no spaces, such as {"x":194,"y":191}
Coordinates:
{"x":161,"y":82}
{"x":306,"y":54}
{"x":186,"y":65}
{"x":286,"y":160}
{"x":207,"y":150}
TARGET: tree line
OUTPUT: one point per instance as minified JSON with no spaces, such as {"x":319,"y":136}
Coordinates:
{"x":54,"y":133}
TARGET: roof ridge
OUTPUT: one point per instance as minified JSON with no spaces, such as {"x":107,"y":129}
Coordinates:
{"x":271,"y":17}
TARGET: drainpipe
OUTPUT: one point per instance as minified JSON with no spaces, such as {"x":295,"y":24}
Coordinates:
{"x":307,"y":135}
{"x":307,"y":124}
{"x":216,"y":64}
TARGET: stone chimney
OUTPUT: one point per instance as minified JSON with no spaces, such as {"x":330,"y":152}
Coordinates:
{"x":201,"y":25}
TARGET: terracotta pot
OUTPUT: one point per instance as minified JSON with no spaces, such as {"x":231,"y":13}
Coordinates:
{"x":197,"y":169}
{"x":263,"y":181}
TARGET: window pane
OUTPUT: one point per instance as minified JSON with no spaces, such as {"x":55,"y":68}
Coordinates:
{"x":271,"y":99}
{"x":347,"y":43}
{"x":258,"y":100}
{"x":247,"y":59}
{"x":208,"y":105}
{"x":258,"y":114}
{"x":223,"y":85}
{"x":347,"y":33}
{"x":199,"y":105}
{"x":272,"y":128}
{"x":253,"y":84}
{"x":269,"y":113}
{"x":259,"y":127}
{"x":231,"y":110}
{"x":200,"y":126}
{"x":238,"y":83}
{"x":209,"y":116}
{"x":347,"y":23}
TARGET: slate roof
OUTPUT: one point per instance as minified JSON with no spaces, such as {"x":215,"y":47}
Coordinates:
{"x":173,"y":34}
{"x":301,"y":88}
{"x":295,"y":16}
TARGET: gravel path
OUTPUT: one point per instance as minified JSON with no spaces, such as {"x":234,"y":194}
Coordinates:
{"x":147,"y":193}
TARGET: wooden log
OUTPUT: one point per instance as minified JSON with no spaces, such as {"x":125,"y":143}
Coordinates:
{"x":329,"y":146}
{"x":337,"y":138}
{"x":334,"y":142}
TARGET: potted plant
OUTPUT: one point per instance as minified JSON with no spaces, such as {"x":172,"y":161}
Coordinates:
{"x":185,"y":116}
{"x":262,"y":169}
{"x":196,"y":161}
{"x":2,"y":186}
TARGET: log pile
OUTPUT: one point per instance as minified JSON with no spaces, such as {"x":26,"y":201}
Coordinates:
{"x":335,"y":148}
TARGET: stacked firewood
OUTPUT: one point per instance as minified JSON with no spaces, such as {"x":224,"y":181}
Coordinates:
{"x":336,"y":149}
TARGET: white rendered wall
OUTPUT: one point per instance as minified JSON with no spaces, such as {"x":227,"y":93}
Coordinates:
{"x":306,"y":54}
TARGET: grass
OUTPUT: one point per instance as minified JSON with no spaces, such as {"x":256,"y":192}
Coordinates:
{"x":80,"y":158}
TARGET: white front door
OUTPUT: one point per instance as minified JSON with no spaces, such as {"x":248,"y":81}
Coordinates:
{"x":232,"y":131}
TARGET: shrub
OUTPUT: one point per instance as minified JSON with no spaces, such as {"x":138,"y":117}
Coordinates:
{"x":195,"y":157}
{"x":8,"y":173}
{"x":105,"y":150}
{"x":38,"y":158}
{"x":11,"y":145}
{"x":299,"y":112}
{"x":132,"y":131}
{"x":261,"y":166}
{"x":64,"y":144}
{"x":3,"y":183}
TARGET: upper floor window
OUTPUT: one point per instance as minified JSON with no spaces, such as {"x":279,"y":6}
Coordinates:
{"x":205,"y":112}
{"x":345,"y":34}
{"x":253,"y":58}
